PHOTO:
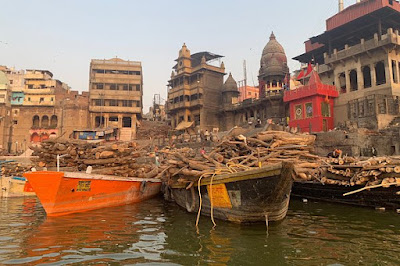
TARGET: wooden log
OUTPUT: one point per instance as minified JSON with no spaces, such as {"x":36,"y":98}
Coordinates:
{"x":396,"y":169}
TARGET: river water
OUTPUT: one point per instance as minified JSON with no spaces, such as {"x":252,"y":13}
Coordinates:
{"x":159,"y":233}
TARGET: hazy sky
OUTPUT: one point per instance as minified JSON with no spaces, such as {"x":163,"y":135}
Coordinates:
{"x":64,"y":35}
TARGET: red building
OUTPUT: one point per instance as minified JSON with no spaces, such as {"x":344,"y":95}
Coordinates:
{"x":311,"y":106}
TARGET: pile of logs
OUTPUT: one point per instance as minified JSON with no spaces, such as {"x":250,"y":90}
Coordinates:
{"x":349,"y":171}
{"x":118,"y":158}
{"x":242,"y":153}
{"x":14,"y":169}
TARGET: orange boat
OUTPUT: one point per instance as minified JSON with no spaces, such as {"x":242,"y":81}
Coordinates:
{"x":63,"y":193}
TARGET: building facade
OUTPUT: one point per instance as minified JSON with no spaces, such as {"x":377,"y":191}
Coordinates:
{"x":194,"y":90}
{"x":359,"y":54}
{"x":39,"y":107}
{"x":311,"y":105}
{"x":248,"y":92}
{"x":115,"y":95}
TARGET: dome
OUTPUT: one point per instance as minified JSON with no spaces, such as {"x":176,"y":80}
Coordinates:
{"x":230,"y":84}
{"x":273,"y":60}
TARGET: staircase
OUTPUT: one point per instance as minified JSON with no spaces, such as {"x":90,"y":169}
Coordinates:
{"x":126,"y":134}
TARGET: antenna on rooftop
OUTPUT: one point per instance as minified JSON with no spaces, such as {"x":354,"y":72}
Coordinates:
{"x":245,"y":77}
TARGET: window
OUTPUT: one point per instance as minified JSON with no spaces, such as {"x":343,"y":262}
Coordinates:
{"x":325,"y":109}
{"x":11,"y":81}
{"x":41,"y":99}
{"x":197,"y":120}
{"x":29,"y":99}
{"x":30,"y":86}
{"x":342,"y":82}
{"x":298,"y":112}
{"x":113,"y":119}
{"x":15,"y":122}
{"x":113,"y":87}
{"x":249,"y":93}
{"x":52,"y":99}
{"x":130,"y":87}
{"x":309,"y":110}
{"x":137,"y":87}
{"x":126,"y":103}
{"x":353,"y":80}
{"x":99,"y":86}
{"x":380,"y":73}
{"x":98,"y":102}
{"x":126,"y":122}
{"x":113,"y":103}
{"x":125,"y":87}
{"x":367,"y":76}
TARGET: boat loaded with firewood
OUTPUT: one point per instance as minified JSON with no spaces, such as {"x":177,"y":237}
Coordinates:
{"x":372,"y":182}
{"x":63,"y":193}
{"x":121,"y":173}
{"x":242,"y":179}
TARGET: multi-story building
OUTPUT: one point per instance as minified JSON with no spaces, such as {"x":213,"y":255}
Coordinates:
{"x":248,"y":92}
{"x":5,"y":111}
{"x":359,"y":54}
{"x":115,"y":95}
{"x":38,"y":107}
{"x":194,"y":90}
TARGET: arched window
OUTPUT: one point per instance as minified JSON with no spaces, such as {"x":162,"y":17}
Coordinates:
{"x":380,"y":73}
{"x":35,"y":137}
{"x":353,"y":80}
{"x":53,"y":121}
{"x":274,"y":84}
{"x":45,"y":121}
{"x":367,"y":76}
{"x":35,"y":121}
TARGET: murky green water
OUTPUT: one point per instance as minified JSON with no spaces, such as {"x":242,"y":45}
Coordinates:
{"x":154,"y":233}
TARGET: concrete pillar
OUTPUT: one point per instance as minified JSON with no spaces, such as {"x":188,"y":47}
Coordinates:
{"x":106,"y":119}
{"x":347,"y":73}
{"x":360,"y":78}
{"x":133,"y":126}
{"x":373,"y":75}
{"x":120,"y":121}
{"x":388,"y":71}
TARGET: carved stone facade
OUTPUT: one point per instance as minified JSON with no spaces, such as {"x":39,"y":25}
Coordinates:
{"x":360,"y":54}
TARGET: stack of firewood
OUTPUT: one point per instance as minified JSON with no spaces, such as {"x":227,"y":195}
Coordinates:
{"x":243,"y":153}
{"x":349,"y":171}
{"x":118,"y":158}
{"x":14,"y":169}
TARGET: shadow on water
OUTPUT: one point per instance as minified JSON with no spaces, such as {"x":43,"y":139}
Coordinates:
{"x":155,"y":232}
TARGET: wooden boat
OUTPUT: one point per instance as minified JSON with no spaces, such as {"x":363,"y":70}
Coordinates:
{"x":15,"y":186}
{"x":388,"y":198}
{"x":63,"y":193}
{"x":261,"y":194}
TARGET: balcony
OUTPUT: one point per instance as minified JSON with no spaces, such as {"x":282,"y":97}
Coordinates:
{"x":43,"y":91}
{"x":310,"y":90}
{"x":115,"y":78}
{"x":179,"y":105}
{"x":114,"y":94}
{"x":365,"y":46}
{"x":115,"y":109}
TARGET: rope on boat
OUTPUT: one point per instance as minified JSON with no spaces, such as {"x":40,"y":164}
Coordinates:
{"x":365,"y":188}
{"x":229,"y":169}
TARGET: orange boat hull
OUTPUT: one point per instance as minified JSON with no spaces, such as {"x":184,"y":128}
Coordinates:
{"x":65,"y":193}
